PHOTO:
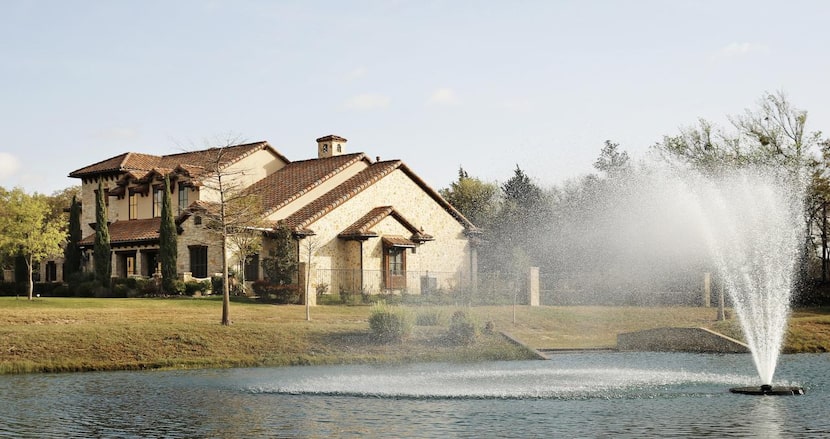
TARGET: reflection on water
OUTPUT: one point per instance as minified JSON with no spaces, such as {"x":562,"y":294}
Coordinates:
{"x":586,"y":395}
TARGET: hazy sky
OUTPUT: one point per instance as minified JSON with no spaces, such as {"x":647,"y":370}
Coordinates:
{"x":486,"y":85}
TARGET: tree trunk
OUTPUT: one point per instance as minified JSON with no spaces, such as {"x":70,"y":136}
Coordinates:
{"x":30,"y":285}
{"x":824,"y":242}
{"x":226,"y":288}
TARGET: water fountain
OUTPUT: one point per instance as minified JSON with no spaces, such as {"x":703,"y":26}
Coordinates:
{"x":753,"y":224}
{"x":669,"y":222}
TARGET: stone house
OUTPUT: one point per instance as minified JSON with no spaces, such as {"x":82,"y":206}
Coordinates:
{"x":362,"y":225}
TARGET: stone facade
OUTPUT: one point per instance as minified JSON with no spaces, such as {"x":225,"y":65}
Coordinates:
{"x":319,"y":199}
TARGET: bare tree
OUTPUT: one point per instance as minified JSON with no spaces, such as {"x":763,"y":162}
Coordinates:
{"x":310,"y":245}
{"x":233,"y":212}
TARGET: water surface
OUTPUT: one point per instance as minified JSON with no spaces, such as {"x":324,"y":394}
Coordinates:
{"x":572,"y":395}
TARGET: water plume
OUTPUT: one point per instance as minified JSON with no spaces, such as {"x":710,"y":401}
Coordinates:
{"x":754,"y":226}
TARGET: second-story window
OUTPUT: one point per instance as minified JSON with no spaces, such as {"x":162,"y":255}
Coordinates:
{"x":182,"y":198}
{"x":158,"y":194}
{"x":132,"y":210}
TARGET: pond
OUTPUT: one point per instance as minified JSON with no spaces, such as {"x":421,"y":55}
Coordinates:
{"x":571,"y":395}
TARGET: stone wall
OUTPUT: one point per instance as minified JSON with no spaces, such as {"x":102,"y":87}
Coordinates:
{"x":679,"y":340}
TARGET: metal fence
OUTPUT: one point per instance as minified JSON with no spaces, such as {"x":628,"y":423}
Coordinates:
{"x":502,"y":288}
{"x":355,"y":281}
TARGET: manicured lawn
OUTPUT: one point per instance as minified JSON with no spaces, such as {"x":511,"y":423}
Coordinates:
{"x":74,"y":334}
{"x":69,"y":334}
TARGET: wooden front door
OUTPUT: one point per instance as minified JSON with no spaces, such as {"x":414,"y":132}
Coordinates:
{"x":394,"y":261}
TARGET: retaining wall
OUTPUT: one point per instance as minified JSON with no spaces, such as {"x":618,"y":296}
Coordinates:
{"x":679,"y":340}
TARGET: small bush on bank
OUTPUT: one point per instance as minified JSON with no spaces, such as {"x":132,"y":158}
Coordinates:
{"x":389,"y":323}
{"x":429,"y":317}
{"x":463,"y":330}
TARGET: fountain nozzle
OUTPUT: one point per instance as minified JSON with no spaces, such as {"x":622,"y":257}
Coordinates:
{"x":768,"y":389}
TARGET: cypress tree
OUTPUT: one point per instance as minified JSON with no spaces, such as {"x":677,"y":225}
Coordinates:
{"x":168,"y":247}
{"x":71,"y":253}
{"x":102,"y":258}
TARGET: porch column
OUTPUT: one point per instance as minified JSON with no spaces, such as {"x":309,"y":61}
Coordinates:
{"x":138,"y":262}
{"x":114,"y":265}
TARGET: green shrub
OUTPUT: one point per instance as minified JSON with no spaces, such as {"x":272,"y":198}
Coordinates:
{"x":463,"y":330}
{"x":61,"y":291}
{"x":429,"y":317}
{"x":389,"y":323}
{"x":191,"y":287}
{"x":120,"y":290}
{"x":284,"y":294}
{"x":489,"y":327}
{"x":151,"y":287}
{"x":176,"y":287}
{"x":12,"y":289}
{"x":86,"y":289}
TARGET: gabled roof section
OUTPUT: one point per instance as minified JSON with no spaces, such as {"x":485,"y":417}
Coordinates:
{"x":194,"y":161}
{"x":129,"y":161}
{"x":197,"y":207}
{"x":300,"y":220}
{"x":122,"y":232}
{"x":362,"y":228}
{"x":298,"y":178}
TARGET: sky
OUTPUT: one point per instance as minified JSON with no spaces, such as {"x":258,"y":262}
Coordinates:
{"x":483,"y":85}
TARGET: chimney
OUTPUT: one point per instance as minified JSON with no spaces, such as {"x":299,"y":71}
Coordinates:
{"x":330,"y":146}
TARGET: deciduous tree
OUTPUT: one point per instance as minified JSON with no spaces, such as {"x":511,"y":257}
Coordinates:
{"x":28,"y":230}
{"x":236,"y":210}
{"x":477,"y":200}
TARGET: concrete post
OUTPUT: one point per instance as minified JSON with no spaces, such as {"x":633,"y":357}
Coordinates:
{"x":474,"y":270}
{"x":707,"y":289}
{"x":533,"y":286}
{"x":721,"y":307}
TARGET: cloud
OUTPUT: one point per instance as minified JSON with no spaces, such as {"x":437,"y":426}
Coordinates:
{"x":9,"y":165}
{"x":443,"y":96}
{"x":367,"y":101}
{"x":737,"y":50}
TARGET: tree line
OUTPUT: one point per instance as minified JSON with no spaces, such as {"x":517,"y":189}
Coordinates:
{"x":592,"y":235}
{"x":579,"y":233}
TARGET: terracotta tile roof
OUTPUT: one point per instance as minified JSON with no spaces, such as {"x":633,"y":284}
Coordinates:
{"x":362,"y":228}
{"x":122,"y":232}
{"x":300,"y":220}
{"x":397,"y":241}
{"x":194,"y":161}
{"x":330,"y":138}
{"x":297,"y":178}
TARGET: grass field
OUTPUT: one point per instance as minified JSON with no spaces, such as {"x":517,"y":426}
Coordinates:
{"x":75,"y":334}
